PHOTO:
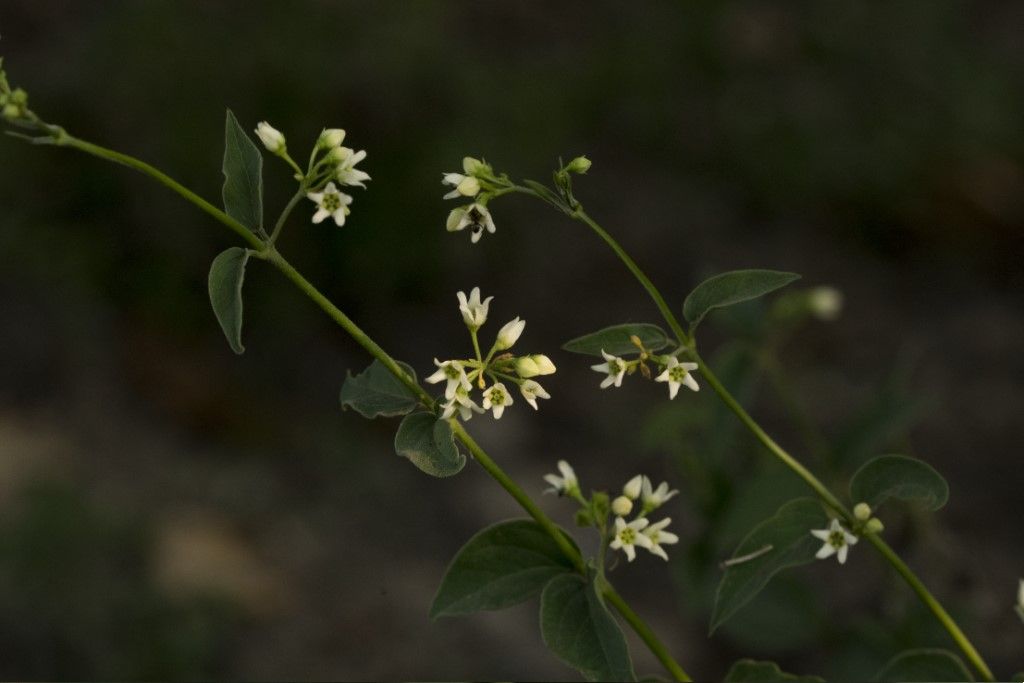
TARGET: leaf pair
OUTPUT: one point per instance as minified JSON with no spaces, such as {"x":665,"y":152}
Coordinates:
{"x":512,"y":562}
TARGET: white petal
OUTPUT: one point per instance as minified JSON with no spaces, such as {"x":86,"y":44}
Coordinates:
{"x":673,"y":389}
{"x":667,"y":538}
{"x":842,"y":554}
{"x":320,"y":215}
{"x":659,"y":551}
{"x":826,"y":551}
{"x":630,"y":552}
{"x":452,"y":179}
{"x":691,"y":383}
{"x":821,"y":533}
{"x":339,"y":217}
{"x":438,"y":376}
{"x":498,"y":412}
{"x":608,"y":381}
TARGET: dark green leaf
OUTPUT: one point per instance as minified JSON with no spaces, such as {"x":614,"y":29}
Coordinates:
{"x":788,"y":533}
{"x":751,"y":671}
{"x":243,"y":176}
{"x":731,"y":288}
{"x":900,"y":477}
{"x":577,"y":627}
{"x":501,"y":566}
{"x":376,"y":392}
{"x":227,"y":273}
{"x":429,"y":444}
{"x":616,"y":340}
{"x":924,"y":665}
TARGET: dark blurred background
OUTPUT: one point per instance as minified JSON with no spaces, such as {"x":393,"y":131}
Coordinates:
{"x":170,"y":510}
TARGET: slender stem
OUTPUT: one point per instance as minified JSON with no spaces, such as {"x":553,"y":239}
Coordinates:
{"x":646,"y":634}
{"x":287,"y":212}
{"x":476,"y":344}
{"x":933,"y":604}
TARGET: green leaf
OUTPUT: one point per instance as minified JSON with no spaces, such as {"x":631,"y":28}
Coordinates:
{"x":751,"y":671}
{"x":616,"y":340}
{"x":243,"y":176}
{"x":376,"y":392}
{"x":501,"y":566}
{"x":788,"y":533}
{"x":900,"y":477}
{"x":227,"y":273}
{"x":577,"y":627}
{"x":924,"y":665}
{"x":429,"y":444}
{"x":732,"y":288}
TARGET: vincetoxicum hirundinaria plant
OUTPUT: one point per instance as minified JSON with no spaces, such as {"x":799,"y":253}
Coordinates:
{"x":519,"y":559}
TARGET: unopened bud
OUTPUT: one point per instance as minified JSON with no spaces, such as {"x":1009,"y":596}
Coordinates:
{"x":579,"y":165}
{"x":331,"y":137}
{"x":544,"y":364}
{"x":633,"y":486}
{"x":526,"y":367}
{"x":862,"y":511}
{"x":271,"y":138}
{"x":875,"y":525}
{"x":509,"y":334}
{"x":339,"y":154}
{"x":622,"y":506}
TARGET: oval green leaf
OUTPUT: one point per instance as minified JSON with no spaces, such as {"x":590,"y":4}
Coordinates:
{"x":577,"y":627}
{"x":501,"y":566}
{"x":900,"y":477}
{"x":781,"y":541}
{"x":616,"y":340}
{"x":376,"y":392}
{"x":732,"y":288}
{"x":752,"y":671}
{"x":429,"y":444}
{"x":925,"y":664}
{"x":243,"y":176}
{"x":227,"y":274}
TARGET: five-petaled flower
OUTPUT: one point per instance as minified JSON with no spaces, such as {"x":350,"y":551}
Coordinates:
{"x":659,"y":537}
{"x":837,"y":541}
{"x":677,"y":373}
{"x":614,"y":367}
{"x":475,"y":216}
{"x":531,"y":391}
{"x":496,"y":399}
{"x":331,"y":202}
{"x":628,"y":536}
{"x":454,"y":372}
{"x":565,"y":484}
{"x":345,"y":172}
{"x":654,"y":498}
{"x":461,"y":402}
{"x":474,"y":311}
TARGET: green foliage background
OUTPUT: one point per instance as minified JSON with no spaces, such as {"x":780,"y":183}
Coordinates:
{"x":170,"y":510}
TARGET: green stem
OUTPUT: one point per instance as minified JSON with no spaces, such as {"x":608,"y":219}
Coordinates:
{"x":287,"y":212}
{"x":933,"y":604}
{"x":646,"y":634}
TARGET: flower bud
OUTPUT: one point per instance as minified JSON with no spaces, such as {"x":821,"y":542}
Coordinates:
{"x":622,"y":506}
{"x":509,"y":334}
{"x":875,"y":525}
{"x":473,"y":166}
{"x":271,"y":138}
{"x":862,"y":511}
{"x":11,"y":111}
{"x":825,"y":302}
{"x":580,"y":165}
{"x":469,"y":187}
{"x":632,"y":488}
{"x":330,"y":138}
{"x":544,"y":364}
{"x":526,"y":367}
{"x":339,"y":154}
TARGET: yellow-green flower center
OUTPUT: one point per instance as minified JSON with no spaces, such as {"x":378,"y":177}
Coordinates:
{"x":837,"y":539}
{"x":332,"y":201}
{"x":677,"y":373}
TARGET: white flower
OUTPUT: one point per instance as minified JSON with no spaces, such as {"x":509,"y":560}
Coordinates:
{"x":562,"y":484}
{"x":509,"y":334}
{"x":655,"y":498}
{"x":332,"y":203}
{"x":837,"y":541}
{"x":614,"y":366}
{"x":346,"y":173}
{"x":659,"y":537}
{"x":622,"y":506}
{"x":454,"y":372}
{"x":474,"y":311}
{"x":825,"y":302}
{"x":461,"y":402}
{"x":633,"y":487}
{"x":677,"y":373}
{"x":496,"y":399}
{"x":271,"y":137}
{"x":531,"y":391}
{"x":331,"y":138}
{"x":475,"y":216}
{"x":628,"y":536}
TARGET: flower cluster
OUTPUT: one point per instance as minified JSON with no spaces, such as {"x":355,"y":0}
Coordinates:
{"x":622,"y":535}
{"x":477,"y":182}
{"x":329,"y":163}
{"x":673,"y":371}
{"x":14,"y":103}
{"x":497,"y":366}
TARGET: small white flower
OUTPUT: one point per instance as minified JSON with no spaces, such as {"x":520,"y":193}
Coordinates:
{"x":496,"y":399}
{"x":465,"y":185}
{"x":825,"y":302}
{"x":474,"y":311}
{"x":531,"y":391}
{"x":837,"y":541}
{"x":614,"y":366}
{"x":454,"y":372}
{"x":346,"y":173}
{"x":461,"y":402}
{"x":562,"y":484}
{"x":677,"y":373}
{"x":659,"y":537}
{"x":509,"y":334}
{"x":655,"y":498}
{"x":271,"y":137}
{"x":628,"y":536}
{"x":331,"y":138}
{"x":633,"y":487}
{"x":622,"y":506}
{"x":475,"y":216}
{"x":332,"y":203}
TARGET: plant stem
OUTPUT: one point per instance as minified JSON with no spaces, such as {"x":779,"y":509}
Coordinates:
{"x":287,"y":212}
{"x":645,"y":633}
